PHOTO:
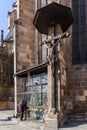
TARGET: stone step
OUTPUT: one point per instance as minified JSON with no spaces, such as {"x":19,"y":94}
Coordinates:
{"x":78,"y":117}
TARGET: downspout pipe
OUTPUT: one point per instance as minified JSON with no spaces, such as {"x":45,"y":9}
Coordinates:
{"x":15,"y":78}
{"x":36,"y":36}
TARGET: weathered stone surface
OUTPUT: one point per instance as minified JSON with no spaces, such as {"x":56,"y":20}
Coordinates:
{"x":77,"y":87}
{"x":25,"y":32}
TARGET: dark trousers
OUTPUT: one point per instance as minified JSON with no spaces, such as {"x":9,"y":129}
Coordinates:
{"x":22,"y":115}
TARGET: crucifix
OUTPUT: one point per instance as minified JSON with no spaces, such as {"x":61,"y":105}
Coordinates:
{"x":45,"y":21}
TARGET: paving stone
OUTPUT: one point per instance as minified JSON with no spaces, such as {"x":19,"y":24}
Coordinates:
{"x":16,"y":124}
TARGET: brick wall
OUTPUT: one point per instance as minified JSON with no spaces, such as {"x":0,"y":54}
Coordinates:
{"x":25,"y":35}
{"x":13,"y":16}
{"x":5,"y":92}
{"x":4,"y":78}
{"x":3,"y":105}
{"x":77,"y":88}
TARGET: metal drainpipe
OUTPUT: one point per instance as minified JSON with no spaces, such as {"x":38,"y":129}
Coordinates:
{"x":59,"y":77}
{"x":36,"y":36}
{"x":15,"y":78}
{"x":17,"y":9}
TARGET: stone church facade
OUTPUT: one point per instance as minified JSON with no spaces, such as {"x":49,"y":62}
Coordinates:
{"x":31,"y":68}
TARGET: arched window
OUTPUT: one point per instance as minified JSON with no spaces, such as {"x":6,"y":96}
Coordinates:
{"x":79,"y":32}
{"x":43,"y":49}
{"x":43,"y":3}
{"x":11,"y":71}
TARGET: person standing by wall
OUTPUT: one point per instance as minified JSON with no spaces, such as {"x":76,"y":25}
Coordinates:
{"x":22,"y":109}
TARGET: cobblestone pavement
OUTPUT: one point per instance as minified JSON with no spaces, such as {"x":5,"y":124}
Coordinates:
{"x":7,"y":122}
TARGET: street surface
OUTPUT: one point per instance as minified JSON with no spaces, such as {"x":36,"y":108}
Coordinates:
{"x":8,"y":122}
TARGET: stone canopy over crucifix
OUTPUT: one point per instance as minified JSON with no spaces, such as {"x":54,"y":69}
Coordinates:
{"x":50,"y":16}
